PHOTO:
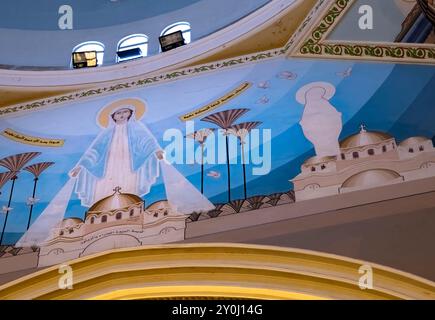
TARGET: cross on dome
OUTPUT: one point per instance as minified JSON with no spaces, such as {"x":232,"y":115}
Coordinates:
{"x":117,"y":189}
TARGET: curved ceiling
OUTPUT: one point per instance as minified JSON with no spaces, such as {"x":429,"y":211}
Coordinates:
{"x":267,"y":28}
{"x":31,"y":37}
{"x":43,"y":14}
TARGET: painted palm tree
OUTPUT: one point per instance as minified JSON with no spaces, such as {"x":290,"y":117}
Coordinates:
{"x":15,"y":163}
{"x":35,"y":169}
{"x":224,"y":120}
{"x":201,"y":136}
{"x":241,"y":131}
{"x":5,"y":177}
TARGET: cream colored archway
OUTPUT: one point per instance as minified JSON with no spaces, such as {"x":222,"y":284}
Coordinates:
{"x":218,"y":270}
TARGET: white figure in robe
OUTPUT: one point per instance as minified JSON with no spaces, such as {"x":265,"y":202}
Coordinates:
{"x":320,"y":122}
{"x":125,"y":154}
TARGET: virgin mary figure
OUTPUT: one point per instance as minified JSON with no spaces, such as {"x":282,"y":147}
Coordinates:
{"x":125,"y":154}
{"x":321,"y":122}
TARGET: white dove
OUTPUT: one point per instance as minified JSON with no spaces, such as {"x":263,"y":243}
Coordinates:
{"x":264,"y":85}
{"x":346,"y":73}
{"x":213,"y":174}
{"x":31,"y":201}
{"x":287,"y":75}
{"x":6,"y":209}
{"x":263,"y":100}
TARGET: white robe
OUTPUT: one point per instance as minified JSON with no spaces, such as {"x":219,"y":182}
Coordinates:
{"x":322,"y":125}
{"x":118,"y":167}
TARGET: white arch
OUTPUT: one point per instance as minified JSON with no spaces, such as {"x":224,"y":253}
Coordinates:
{"x":131,"y":41}
{"x":182,"y":26}
{"x":91,"y":46}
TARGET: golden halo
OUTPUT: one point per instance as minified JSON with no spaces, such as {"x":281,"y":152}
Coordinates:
{"x":105,"y":113}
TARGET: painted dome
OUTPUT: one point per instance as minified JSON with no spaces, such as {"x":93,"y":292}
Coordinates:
{"x":319,"y":160}
{"x":116,"y":201}
{"x":371,"y":178}
{"x":163,"y":204}
{"x":364,"y":138}
{"x":413,"y":141}
{"x":69,"y":222}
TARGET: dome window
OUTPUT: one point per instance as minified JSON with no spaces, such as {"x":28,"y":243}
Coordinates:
{"x":91,"y":46}
{"x":371,"y":152}
{"x":343,"y":156}
{"x":184,"y":27}
{"x":421,"y":148}
{"x":323,"y":167}
{"x":132,"y":47}
{"x":119,"y":216}
{"x":71,"y":231}
{"x":104,"y":219}
{"x":355,"y":155}
{"x":384,"y":148}
{"x":92,"y":220}
{"x":313,"y":169}
{"x":61,"y":233}
{"x":131,"y":213}
{"x":411,"y":150}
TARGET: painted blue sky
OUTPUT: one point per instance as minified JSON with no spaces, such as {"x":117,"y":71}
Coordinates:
{"x":393,"y":98}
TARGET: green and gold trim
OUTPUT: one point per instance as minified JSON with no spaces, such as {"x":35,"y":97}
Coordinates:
{"x":310,"y":41}
{"x":316,"y":45}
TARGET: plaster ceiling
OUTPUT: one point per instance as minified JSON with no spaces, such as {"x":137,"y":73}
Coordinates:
{"x":272,"y":35}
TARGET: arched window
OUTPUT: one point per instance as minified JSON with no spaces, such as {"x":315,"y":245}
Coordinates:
{"x":411,"y":150}
{"x":371,"y":152}
{"x":92,"y":220}
{"x":131,"y":213}
{"x":131,"y":42}
{"x":343,"y":156}
{"x":355,"y":155}
{"x":384,"y":148}
{"x":313,"y":169}
{"x":92,"y":46}
{"x":323,"y":167}
{"x":421,"y":148}
{"x":184,"y":27}
{"x":104,"y":219}
{"x":119,"y":216}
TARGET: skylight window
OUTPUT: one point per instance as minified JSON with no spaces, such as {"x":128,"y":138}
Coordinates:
{"x":184,"y":27}
{"x":133,"y":41}
{"x":92,"y":46}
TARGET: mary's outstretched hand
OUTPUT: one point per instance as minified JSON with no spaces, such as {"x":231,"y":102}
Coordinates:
{"x":74,"y":172}
{"x":160,"y":154}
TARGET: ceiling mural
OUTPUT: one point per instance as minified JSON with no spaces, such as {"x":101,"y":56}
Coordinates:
{"x":388,"y":18}
{"x":371,"y":30}
{"x":38,"y":28}
{"x":139,"y":165}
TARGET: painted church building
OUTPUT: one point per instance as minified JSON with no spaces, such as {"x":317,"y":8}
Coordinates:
{"x":117,"y":221}
{"x":367,"y":159}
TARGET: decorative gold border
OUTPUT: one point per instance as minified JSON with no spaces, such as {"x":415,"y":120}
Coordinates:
{"x":218,"y":270}
{"x":316,"y":45}
{"x":31,"y":140}
{"x":140,"y":82}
